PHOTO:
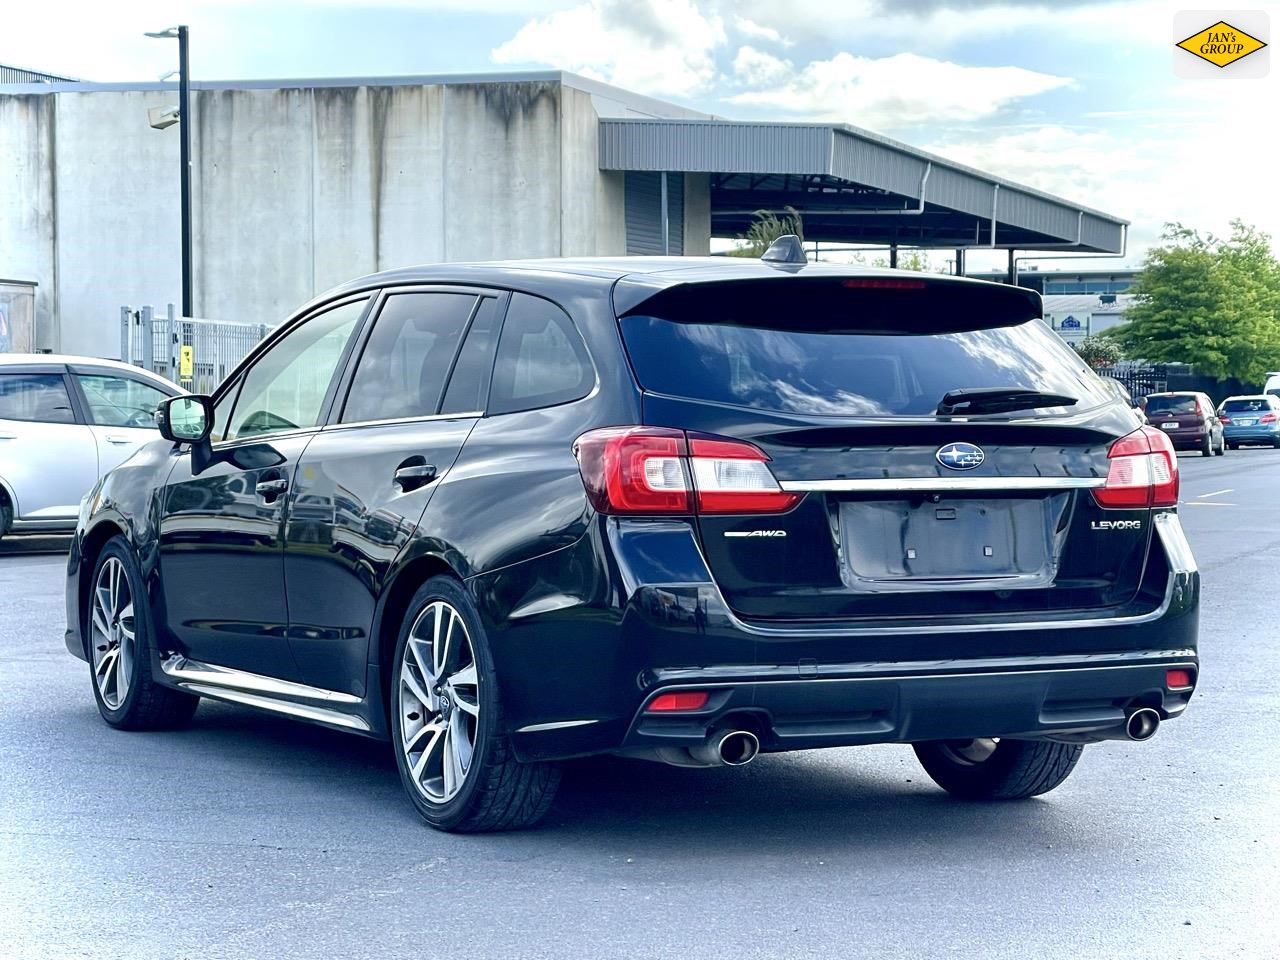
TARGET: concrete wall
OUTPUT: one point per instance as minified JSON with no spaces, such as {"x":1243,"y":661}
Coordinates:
{"x":294,"y":190}
{"x":697,"y":215}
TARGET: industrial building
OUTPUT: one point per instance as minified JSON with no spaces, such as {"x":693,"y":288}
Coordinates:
{"x":298,"y":185}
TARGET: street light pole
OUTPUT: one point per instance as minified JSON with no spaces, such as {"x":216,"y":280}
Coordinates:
{"x":184,"y":150}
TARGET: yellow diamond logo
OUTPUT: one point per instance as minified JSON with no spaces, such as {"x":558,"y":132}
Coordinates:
{"x":1221,"y":44}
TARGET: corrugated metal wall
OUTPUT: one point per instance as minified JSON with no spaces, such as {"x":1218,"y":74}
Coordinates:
{"x":644,"y":213}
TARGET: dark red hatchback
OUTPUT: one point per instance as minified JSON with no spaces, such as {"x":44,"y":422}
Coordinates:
{"x":1189,"y":420}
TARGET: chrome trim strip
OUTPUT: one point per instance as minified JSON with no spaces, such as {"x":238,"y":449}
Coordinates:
{"x":1177,"y":589}
{"x":558,"y":725}
{"x":468,"y":415}
{"x":180,"y":668}
{"x":1174,"y":541}
{"x":911,"y":484}
{"x":300,"y":711}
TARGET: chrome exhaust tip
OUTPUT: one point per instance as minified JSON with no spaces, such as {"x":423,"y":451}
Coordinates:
{"x":729,"y":748}
{"x":1142,"y":724}
{"x":737,"y":748}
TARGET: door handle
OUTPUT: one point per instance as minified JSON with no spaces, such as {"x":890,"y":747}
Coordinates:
{"x":119,"y":441}
{"x":8,"y":436}
{"x":270,"y":489}
{"x":414,"y":475}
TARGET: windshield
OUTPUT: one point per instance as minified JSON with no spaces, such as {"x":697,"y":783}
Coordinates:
{"x":850,"y":374}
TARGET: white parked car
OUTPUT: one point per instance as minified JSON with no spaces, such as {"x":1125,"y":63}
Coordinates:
{"x":64,"y":422}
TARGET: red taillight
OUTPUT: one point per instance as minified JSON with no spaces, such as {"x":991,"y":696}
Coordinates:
{"x":1224,"y":420}
{"x":656,"y":470}
{"x":1267,"y":418}
{"x":1177,"y":679}
{"x":682,"y":700}
{"x":1143,"y":472}
{"x":1199,"y":409}
{"x":882,"y":283}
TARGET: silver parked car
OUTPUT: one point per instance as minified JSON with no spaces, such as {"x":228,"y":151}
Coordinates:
{"x":64,"y":422}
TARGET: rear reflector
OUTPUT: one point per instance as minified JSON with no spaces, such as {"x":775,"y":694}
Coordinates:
{"x":683,"y":700}
{"x":1143,"y":472}
{"x":661,"y":471}
{"x":1178,"y":679}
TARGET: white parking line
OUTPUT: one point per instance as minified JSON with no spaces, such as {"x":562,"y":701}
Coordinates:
{"x":1216,"y":493}
{"x":1206,"y":503}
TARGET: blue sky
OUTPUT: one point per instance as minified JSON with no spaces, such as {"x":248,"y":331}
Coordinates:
{"x":1078,"y":98}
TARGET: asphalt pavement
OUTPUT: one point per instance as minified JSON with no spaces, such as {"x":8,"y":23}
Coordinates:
{"x":252,"y":836}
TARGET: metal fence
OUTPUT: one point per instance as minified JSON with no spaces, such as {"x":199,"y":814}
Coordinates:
{"x":1141,"y":378}
{"x":195,"y":354}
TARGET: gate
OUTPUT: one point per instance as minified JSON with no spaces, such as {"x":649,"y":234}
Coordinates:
{"x":195,"y":354}
{"x":1140,"y":379}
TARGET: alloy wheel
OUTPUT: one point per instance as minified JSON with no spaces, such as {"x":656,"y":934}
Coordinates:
{"x":113,"y":633}
{"x":439,"y":701}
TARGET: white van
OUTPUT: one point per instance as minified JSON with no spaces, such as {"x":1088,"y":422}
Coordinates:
{"x":1273,"y":384}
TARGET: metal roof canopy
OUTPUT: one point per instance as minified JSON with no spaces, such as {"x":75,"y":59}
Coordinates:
{"x":854,"y":186}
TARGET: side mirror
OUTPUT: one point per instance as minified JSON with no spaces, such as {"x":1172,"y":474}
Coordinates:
{"x":185,"y":419}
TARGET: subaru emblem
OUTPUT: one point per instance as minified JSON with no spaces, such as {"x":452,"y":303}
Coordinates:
{"x":960,"y":456}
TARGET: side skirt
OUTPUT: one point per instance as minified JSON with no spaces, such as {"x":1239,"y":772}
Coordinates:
{"x":298,"y":700}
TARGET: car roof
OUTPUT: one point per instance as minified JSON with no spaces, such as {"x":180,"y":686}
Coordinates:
{"x":1252,"y":396}
{"x":656,"y":271}
{"x":1177,"y":393}
{"x":61,"y":359}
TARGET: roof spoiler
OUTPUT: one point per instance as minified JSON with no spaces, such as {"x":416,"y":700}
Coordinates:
{"x":787,"y":249}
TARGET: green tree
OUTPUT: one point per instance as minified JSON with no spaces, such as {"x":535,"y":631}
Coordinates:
{"x":1099,"y":351}
{"x":768,"y":227}
{"x":1210,"y":302}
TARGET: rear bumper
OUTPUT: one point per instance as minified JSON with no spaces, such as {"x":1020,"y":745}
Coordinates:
{"x":577,"y":681}
{"x":1023,"y":700}
{"x":1267,"y":434}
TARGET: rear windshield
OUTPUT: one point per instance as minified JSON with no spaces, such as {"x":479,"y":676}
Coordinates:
{"x":1171,"y":405}
{"x":1246,"y":406}
{"x":847,"y":373}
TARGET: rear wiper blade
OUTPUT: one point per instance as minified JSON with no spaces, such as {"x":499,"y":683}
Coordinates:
{"x":998,"y":400}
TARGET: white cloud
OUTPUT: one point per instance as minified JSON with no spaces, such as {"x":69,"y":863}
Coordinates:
{"x":655,"y":46}
{"x":757,"y":31}
{"x":937,"y":27}
{"x":900,"y":91}
{"x":755,"y":68}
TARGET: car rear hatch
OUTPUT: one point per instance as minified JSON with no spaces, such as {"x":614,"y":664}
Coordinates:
{"x":1177,"y":414}
{"x":902,"y":507}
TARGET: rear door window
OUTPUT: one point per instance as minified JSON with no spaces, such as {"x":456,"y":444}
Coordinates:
{"x":469,"y":383}
{"x":38,"y":397}
{"x":541,"y":359}
{"x":408,"y":356}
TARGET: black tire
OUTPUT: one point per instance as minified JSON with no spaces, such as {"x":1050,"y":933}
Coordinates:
{"x":6,"y":514}
{"x":498,"y":792}
{"x":1206,"y":448}
{"x":1013,"y":770}
{"x":1222,"y":446}
{"x":147,"y":705}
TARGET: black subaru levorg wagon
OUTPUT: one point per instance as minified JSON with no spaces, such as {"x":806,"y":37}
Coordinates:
{"x":679,"y":510}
